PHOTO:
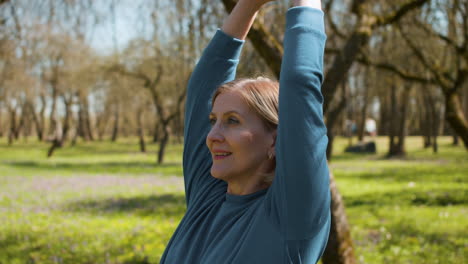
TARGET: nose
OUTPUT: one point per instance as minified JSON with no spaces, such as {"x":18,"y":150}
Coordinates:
{"x":215,"y":134}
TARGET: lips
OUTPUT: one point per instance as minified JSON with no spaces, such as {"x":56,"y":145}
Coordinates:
{"x":220,"y":154}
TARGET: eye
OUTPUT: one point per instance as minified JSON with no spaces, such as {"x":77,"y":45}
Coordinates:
{"x":232,"y":120}
{"x":212,"y":121}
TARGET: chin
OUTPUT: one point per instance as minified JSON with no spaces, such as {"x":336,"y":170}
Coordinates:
{"x":220,"y":175}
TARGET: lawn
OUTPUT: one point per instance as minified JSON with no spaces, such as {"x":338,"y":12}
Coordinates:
{"x":105,"y":202}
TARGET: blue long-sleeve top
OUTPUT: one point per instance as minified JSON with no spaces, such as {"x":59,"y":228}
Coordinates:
{"x":289,"y":222}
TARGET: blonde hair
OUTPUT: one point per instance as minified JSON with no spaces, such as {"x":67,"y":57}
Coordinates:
{"x":261,"y":95}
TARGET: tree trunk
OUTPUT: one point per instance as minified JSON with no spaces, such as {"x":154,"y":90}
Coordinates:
{"x":402,"y":126}
{"x":61,"y":136}
{"x":455,"y":141}
{"x":1,"y":123}
{"x":21,"y":123}
{"x":81,"y":126}
{"x":115,"y":129}
{"x":455,"y":116}
{"x":156,"y":131}
{"x":37,"y":122}
{"x":428,"y":120}
{"x":101,"y":124}
{"x":41,"y":118}
{"x":362,"y":124}
{"x":339,"y":248}
{"x":332,"y":118}
{"x":87,"y":120}
{"x":140,"y":131}
{"x":163,"y":142}
{"x":393,"y":118}
{"x":53,"y":119}
{"x":11,"y":133}
{"x":331,"y":138}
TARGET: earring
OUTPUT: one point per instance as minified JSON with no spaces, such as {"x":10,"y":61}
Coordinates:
{"x":270,"y":155}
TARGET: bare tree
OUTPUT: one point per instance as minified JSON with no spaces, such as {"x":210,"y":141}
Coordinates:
{"x":450,"y":72}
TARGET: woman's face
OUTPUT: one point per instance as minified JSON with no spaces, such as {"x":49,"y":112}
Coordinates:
{"x":239,"y":141}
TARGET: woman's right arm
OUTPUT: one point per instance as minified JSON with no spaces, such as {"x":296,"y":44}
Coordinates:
{"x":216,"y":66}
{"x":299,"y":196}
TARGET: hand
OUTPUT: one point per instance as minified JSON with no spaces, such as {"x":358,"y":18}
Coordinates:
{"x":240,"y":20}
{"x":310,"y":3}
{"x":259,"y":3}
{"x":264,"y":1}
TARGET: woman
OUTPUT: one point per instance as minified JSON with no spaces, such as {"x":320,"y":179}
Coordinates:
{"x":256,"y":182}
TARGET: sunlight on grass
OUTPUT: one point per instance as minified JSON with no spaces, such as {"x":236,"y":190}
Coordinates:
{"x":103,"y":202}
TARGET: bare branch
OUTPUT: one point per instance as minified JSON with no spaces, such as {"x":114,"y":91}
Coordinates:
{"x":398,"y":14}
{"x":437,"y":73}
{"x":446,"y":39}
{"x":138,"y":75}
{"x":356,"y":6}
{"x":364,"y":59}
{"x":332,"y":24}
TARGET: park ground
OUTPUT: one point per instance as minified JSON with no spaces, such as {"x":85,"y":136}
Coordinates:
{"x":102,"y":202}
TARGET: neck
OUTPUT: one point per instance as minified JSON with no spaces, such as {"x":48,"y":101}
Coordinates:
{"x":243,"y":188}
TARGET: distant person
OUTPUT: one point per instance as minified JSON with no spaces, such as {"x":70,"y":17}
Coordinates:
{"x":256,"y":182}
{"x":371,"y":127}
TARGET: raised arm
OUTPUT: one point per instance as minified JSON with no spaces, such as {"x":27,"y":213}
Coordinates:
{"x":216,"y":66}
{"x":299,"y":197}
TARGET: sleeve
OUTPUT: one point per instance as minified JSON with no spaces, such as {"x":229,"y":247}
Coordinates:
{"x":216,"y":66}
{"x":299,"y":198}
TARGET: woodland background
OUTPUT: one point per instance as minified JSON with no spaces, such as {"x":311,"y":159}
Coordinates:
{"x":97,"y":89}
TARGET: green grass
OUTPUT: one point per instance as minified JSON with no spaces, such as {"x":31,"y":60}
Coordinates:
{"x":105,"y":202}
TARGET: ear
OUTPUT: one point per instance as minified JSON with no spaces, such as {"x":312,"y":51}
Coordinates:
{"x":273,"y":141}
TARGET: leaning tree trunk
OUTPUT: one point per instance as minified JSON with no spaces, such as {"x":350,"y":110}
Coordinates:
{"x":339,"y":248}
{"x":37,"y":122}
{"x":332,"y":118}
{"x":163,"y":141}
{"x":455,"y":116}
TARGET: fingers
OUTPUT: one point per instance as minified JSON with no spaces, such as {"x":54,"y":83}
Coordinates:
{"x":310,"y":3}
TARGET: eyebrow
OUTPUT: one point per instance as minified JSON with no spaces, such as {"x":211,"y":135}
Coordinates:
{"x":227,"y":113}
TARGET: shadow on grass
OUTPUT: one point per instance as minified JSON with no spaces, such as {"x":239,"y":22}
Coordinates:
{"x":445,"y":197}
{"x":166,"y":205}
{"x":19,"y":246}
{"x":345,"y":156}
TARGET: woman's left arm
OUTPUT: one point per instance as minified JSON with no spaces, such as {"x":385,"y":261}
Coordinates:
{"x":299,"y":196}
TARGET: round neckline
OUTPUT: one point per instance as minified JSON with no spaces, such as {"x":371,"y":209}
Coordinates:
{"x":238,"y":199}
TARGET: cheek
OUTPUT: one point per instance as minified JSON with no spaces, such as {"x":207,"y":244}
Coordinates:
{"x":246,"y":140}
{"x":250,"y":146}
